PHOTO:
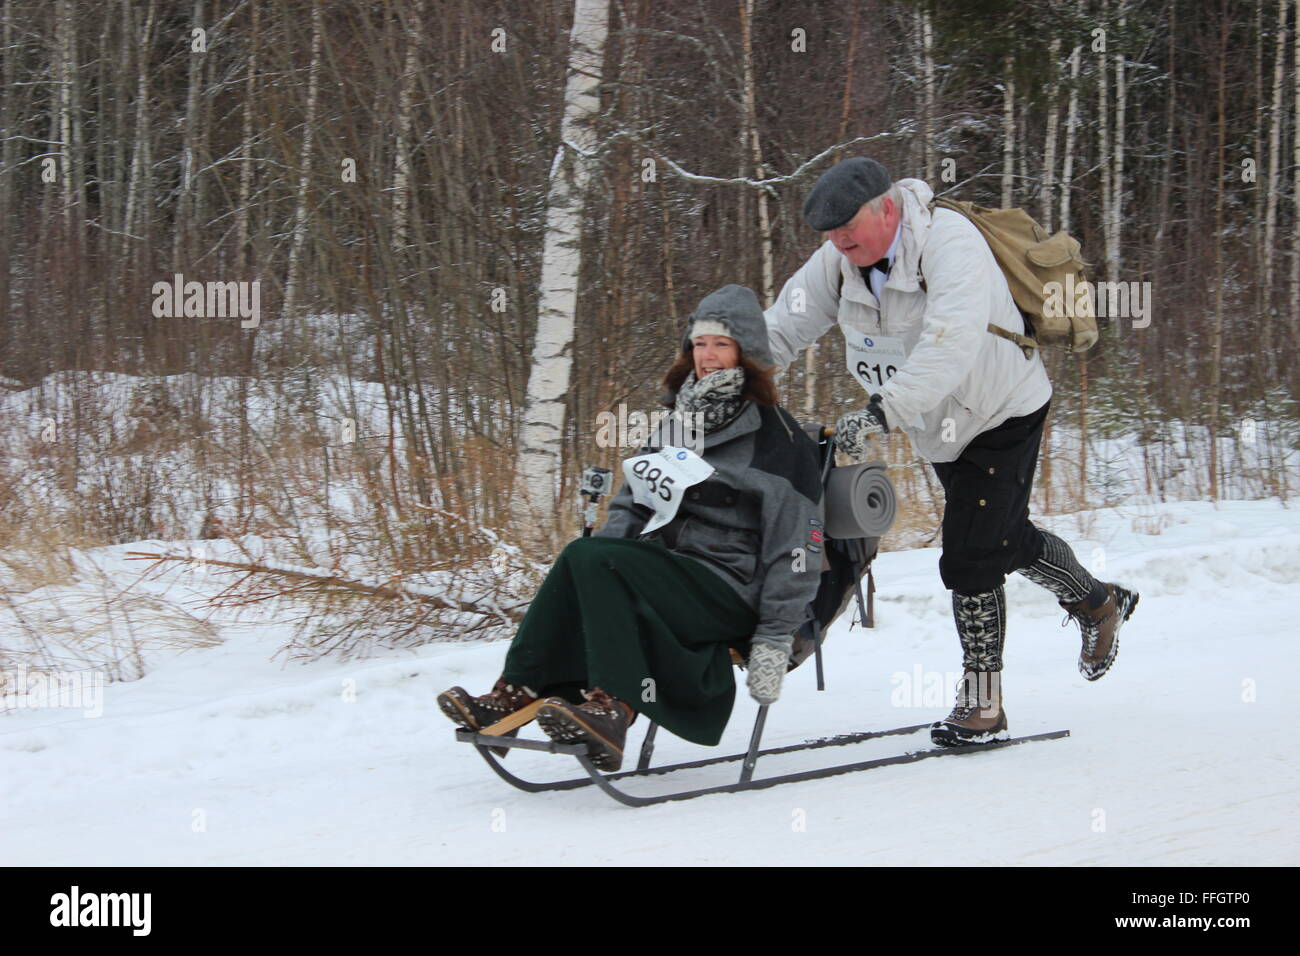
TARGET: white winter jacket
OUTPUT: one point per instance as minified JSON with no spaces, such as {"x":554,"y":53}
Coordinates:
{"x":957,"y":379}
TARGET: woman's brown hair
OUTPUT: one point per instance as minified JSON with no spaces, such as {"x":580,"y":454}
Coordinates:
{"x":759,"y":387}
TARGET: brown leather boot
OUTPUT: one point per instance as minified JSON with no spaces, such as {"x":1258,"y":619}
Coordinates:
{"x":977,"y":717}
{"x":476,"y":713}
{"x":601,"y":723}
{"x":1100,"y":628}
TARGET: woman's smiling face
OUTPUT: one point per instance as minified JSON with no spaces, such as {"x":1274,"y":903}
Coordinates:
{"x":714,"y":352}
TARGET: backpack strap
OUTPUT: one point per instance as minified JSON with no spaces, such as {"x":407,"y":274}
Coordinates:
{"x":1027,"y":344}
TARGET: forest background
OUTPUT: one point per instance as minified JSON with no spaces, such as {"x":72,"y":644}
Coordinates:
{"x":475,"y":227}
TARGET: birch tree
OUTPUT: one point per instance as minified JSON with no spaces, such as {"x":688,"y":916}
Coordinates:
{"x":542,"y":430}
{"x":1104,"y":157}
{"x":1220,"y":271}
{"x":1117,"y":175}
{"x":244,"y":253}
{"x":299,"y":239}
{"x":184,"y":198}
{"x":139,"y":190}
{"x":756,"y":152}
{"x":1274,"y":156}
{"x":1295,"y":191}
{"x":402,"y":157}
{"x":1008,"y":130}
{"x":65,"y":122}
{"x":1049,"y":143}
{"x":1071,"y":133}
{"x":927,"y":74}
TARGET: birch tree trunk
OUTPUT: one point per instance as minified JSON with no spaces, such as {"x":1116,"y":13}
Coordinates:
{"x":1104,"y":157}
{"x":184,"y":199}
{"x":304,"y":167}
{"x":61,"y":109}
{"x":533,"y":508}
{"x":138,"y":192}
{"x":1257,"y":151}
{"x":8,"y":153}
{"x":756,"y":153}
{"x":1216,"y":368}
{"x":244,"y":255}
{"x":1295,"y":191}
{"x":1166,"y":182}
{"x":927,"y":46}
{"x":1008,"y":131}
{"x":1053,"y":120}
{"x":1117,"y":177}
{"x":402,"y":161}
{"x":73,"y":118}
{"x":1071,"y":130}
{"x":1274,"y":161}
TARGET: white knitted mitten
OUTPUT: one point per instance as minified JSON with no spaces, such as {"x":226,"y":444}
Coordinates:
{"x":767,"y":666}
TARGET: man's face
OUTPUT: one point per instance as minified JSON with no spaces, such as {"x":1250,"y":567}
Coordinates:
{"x":865,"y":238}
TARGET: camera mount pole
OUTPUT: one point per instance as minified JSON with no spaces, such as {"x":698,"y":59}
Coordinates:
{"x":596,"y":482}
{"x":588,"y":512}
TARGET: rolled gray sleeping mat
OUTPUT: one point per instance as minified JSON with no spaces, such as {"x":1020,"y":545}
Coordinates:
{"x":860,"y":501}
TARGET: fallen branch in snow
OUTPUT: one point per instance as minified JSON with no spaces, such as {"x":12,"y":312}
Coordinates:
{"x":346,"y":614}
{"x":320,"y":579}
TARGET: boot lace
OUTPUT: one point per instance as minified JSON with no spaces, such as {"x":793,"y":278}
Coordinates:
{"x":1089,"y":627}
{"x":599,"y":702}
{"x":506,"y":694}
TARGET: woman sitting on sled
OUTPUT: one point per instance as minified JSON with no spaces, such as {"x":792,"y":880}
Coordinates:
{"x":639,"y":622}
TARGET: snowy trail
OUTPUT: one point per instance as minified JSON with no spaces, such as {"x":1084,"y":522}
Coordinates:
{"x":221,"y":757}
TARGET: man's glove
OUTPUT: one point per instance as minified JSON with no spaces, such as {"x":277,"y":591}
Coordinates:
{"x":767,"y":667}
{"x":854,"y":428}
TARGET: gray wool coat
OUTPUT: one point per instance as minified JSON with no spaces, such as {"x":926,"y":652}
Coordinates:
{"x":758,"y":524}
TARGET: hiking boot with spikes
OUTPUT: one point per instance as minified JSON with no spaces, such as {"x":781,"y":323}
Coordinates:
{"x":977,"y":717}
{"x":478,"y":713}
{"x":1100,"y":628}
{"x":601,"y":723}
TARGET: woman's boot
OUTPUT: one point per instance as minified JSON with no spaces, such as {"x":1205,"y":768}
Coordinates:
{"x":601,"y":722}
{"x":477,"y":713}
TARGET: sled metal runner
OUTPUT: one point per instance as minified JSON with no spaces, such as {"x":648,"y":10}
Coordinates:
{"x":605,"y":781}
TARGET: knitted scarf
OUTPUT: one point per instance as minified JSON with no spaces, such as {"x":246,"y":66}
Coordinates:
{"x":717,"y":395}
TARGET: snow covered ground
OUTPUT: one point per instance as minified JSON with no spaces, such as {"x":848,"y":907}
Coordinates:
{"x":1181,"y":755}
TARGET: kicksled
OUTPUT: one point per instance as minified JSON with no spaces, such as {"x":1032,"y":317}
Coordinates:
{"x":859,"y":508}
{"x":496,"y":736}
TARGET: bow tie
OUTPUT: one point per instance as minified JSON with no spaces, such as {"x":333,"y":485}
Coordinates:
{"x":882,"y":265}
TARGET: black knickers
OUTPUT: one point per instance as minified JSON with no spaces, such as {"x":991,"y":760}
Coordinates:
{"x":987,"y":533}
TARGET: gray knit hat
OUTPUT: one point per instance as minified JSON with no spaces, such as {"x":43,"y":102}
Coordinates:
{"x":733,"y":311}
{"x":840,"y":192}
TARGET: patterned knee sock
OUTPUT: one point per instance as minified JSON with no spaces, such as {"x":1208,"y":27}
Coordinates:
{"x":982,"y":627}
{"x":1058,"y":570}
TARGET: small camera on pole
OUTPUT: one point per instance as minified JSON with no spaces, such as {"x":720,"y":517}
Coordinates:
{"x":595,"y":483}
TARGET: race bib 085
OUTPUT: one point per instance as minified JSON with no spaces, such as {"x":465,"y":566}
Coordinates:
{"x":657,"y":480}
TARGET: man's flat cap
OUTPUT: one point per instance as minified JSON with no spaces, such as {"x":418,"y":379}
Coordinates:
{"x":840,"y":192}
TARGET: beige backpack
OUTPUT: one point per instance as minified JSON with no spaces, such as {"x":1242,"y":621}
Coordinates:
{"x":1045,"y":274}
